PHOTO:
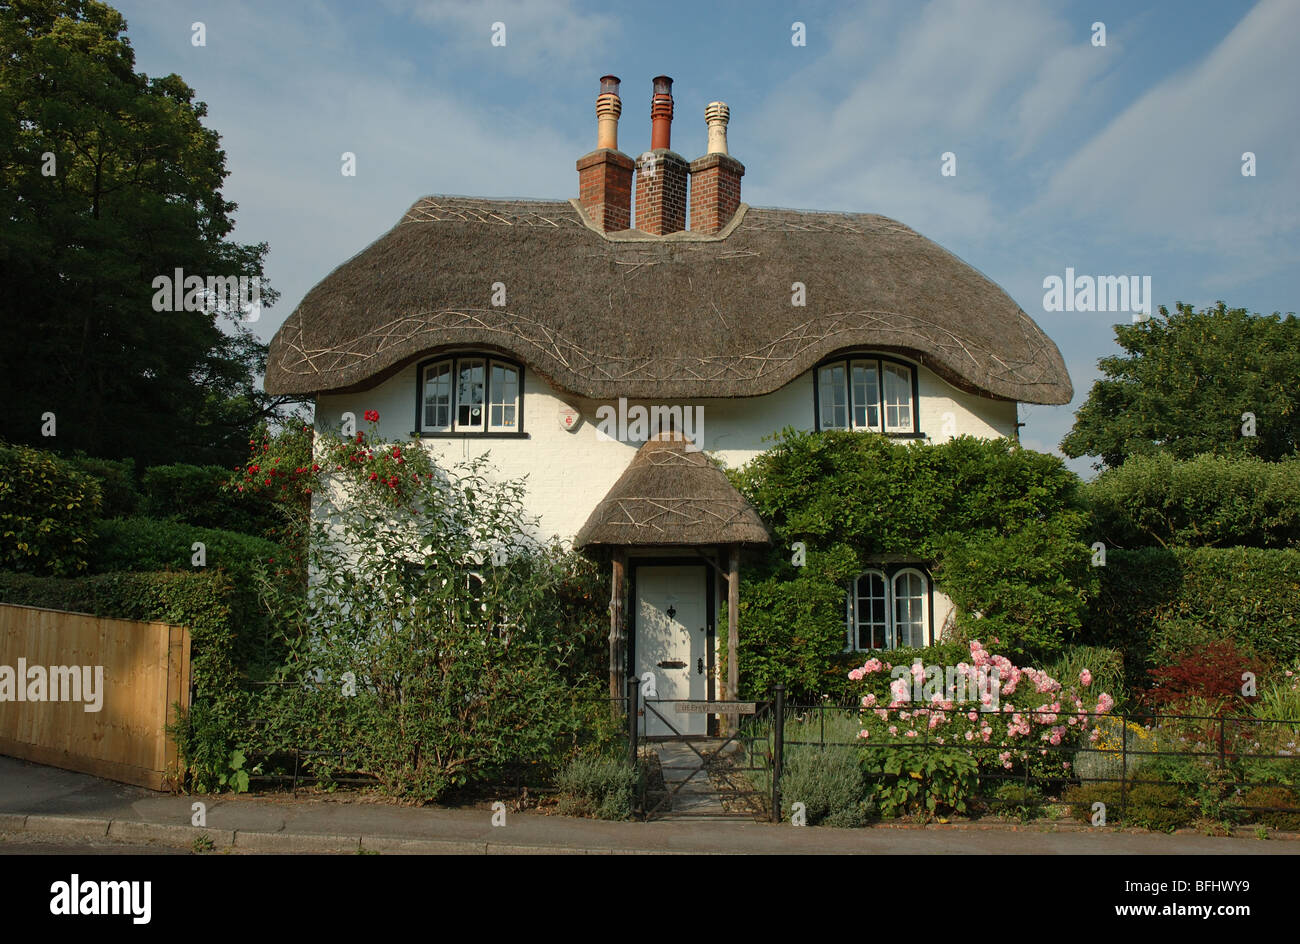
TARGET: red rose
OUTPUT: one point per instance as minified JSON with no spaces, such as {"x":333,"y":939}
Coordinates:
{"x":373,"y":476}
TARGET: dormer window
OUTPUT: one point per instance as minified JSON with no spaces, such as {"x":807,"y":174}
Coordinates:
{"x":867,"y":393}
{"x":470,"y":395}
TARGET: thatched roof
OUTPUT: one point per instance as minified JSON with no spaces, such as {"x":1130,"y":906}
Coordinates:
{"x":682,"y":316}
{"x":669,"y":496}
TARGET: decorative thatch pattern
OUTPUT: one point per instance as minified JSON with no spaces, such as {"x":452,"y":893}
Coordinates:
{"x":678,"y":317}
{"x":668,"y":496}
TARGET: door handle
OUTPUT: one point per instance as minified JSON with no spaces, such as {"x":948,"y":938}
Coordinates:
{"x":699,"y":665}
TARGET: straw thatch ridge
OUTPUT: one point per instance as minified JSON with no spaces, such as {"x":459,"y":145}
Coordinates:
{"x":668,"y":496}
{"x":659,"y":318}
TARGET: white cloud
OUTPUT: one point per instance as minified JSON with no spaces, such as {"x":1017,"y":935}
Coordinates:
{"x":1169,"y":166}
{"x":981,"y":80}
{"x":537,"y":34}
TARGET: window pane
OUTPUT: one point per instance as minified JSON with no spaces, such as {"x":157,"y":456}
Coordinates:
{"x":504,"y":391}
{"x":909,"y":610}
{"x":866,"y":395}
{"x":469,"y":394}
{"x":871,"y":612}
{"x":437,"y":396}
{"x":898,"y":398}
{"x":834,"y":396}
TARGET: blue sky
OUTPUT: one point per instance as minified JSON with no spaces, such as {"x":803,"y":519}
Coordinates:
{"x":1115,"y":160}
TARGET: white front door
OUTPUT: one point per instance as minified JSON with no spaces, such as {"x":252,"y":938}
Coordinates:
{"x":672,"y":643}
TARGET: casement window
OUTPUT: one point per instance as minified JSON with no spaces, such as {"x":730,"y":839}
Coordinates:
{"x":867,"y":393}
{"x":470,"y":394}
{"x":889,"y":609}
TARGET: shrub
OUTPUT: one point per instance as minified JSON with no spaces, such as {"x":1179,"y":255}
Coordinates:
{"x":1106,"y":666}
{"x":142,"y":544}
{"x":1157,"y":806}
{"x":1017,"y":801}
{"x":828,"y":782}
{"x":435,"y":607}
{"x":1034,"y":713}
{"x":1081,"y":798}
{"x":932,"y":782}
{"x":116,"y":478}
{"x":1208,"y":501}
{"x":1288,"y":817}
{"x":196,"y":495}
{"x":1154,"y":604}
{"x":597,"y":785}
{"x":1212,"y":673}
{"x":47,"y":507}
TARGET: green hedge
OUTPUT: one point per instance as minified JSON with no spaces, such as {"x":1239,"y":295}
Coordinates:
{"x":46,"y":510}
{"x":1154,"y":603}
{"x":144,"y":544}
{"x":1216,"y":501}
{"x":116,"y":478}
{"x":194,"y":494}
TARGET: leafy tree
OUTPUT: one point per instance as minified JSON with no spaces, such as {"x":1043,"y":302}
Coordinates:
{"x":108,"y":179}
{"x":1185,"y":382}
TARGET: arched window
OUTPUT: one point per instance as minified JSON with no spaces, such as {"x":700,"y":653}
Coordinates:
{"x":868,"y":393}
{"x":890,"y":609}
{"x":910,"y":606}
{"x":470,"y":394}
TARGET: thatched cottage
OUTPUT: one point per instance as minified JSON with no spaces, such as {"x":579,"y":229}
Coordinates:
{"x":597,"y":347}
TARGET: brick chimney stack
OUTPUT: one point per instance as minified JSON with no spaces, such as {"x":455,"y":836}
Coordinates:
{"x":715,"y":177}
{"x":661,"y":173}
{"x":605,"y":175}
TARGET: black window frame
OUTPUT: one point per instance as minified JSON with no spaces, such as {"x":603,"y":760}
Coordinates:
{"x":453,"y":357}
{"x":846,"y":361}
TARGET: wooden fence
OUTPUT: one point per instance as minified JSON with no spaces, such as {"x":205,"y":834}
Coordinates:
{"x":115,"y":680}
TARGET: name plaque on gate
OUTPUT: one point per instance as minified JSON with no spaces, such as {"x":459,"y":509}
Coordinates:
{"x":716,"y":707}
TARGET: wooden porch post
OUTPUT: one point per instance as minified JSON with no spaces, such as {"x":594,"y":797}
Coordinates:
{"x":733,"y":607}
{"x":617,"y":628}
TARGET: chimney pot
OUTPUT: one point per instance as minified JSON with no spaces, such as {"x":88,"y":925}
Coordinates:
{"x":715,"y":177}
{"x":717,"y":114}
{"x":605,"y":175}
{"x":661,"y":113}
{"x":608,"y":107}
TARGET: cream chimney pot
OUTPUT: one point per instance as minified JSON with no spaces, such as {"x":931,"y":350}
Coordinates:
{"x":717,"y":114}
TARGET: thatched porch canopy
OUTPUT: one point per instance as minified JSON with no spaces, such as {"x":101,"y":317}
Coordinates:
{"x":682,"y":316}
{"x":669,"y":497}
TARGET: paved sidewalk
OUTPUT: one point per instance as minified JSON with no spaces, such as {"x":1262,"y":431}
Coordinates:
{"x":46,"y":801}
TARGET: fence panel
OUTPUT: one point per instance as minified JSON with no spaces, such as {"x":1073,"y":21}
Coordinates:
{"x":92,"y":694}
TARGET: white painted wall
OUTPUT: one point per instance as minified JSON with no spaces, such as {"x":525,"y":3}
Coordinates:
{"x":569,"y":471}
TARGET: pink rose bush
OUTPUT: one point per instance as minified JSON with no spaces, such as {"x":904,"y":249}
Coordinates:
{"x":1035,"y":710}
